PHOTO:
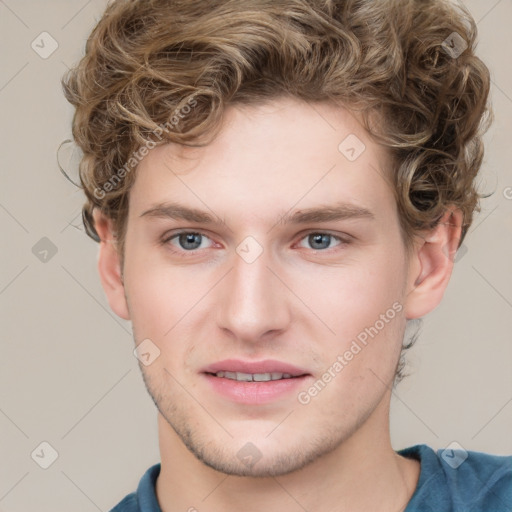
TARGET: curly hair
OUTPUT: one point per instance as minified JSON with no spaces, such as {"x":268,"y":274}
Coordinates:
{"x":159,"y":71}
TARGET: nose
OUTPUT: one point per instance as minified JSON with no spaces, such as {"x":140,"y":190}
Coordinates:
{"x":253,"y":302}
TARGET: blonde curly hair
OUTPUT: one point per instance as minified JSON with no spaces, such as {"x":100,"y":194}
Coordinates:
{"x":158,"y":71}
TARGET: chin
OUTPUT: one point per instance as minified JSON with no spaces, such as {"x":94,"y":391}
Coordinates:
{"x":259,"y":456}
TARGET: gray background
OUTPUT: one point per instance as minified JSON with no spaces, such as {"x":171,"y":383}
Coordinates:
{"x":67,"y":372}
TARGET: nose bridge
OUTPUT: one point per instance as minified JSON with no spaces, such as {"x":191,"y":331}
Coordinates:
{"x":253,"y":302}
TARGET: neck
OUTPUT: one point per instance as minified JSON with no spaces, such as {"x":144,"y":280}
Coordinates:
{"x":363,"y":473}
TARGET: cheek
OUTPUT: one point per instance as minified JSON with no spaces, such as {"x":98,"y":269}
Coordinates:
{"x":158,"y":304}
{"x":363,"y":304}
{"x":359,"y":361}
{"x":152,"y":296}
{"x":353,"y":297}
{"x":166,"y":302}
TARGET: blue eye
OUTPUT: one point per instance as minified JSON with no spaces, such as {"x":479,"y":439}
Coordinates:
{"x":320,"y":241}
{"x":190,"y":241}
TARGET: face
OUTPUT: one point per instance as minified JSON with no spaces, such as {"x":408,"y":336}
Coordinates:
{"x":291,"y":267}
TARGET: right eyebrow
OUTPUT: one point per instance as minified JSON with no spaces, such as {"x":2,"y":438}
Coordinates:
{"x":180,"y":212}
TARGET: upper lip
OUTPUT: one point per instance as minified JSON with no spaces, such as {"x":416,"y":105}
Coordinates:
{"x":266,"y":366}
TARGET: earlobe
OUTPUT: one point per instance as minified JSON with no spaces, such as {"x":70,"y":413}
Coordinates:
{"x":432,"y":264}
{"x":109,"y":266}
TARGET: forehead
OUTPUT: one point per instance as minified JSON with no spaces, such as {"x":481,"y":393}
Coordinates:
{"x":268,"y":158}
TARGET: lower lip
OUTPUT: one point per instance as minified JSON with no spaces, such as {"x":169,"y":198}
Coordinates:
{"x":255,"y":392}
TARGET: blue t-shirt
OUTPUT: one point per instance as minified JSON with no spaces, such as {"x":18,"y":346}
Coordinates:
{"x":449,"y":482}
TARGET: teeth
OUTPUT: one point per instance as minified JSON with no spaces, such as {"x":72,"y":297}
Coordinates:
{"x":262,"y":377}
{"x":243,"y":376}
{"x":253,"y":377}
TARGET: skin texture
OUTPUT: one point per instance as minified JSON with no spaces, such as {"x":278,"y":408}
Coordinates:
{"x":298,"y":302}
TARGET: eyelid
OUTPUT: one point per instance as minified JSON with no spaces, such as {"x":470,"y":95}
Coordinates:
{"x":167,"y":237}
{"x":345,"y":237}
{"x":342,"y":239}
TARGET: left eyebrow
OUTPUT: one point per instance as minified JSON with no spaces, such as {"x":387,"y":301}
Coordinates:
{"x":310,"y":215}
{"x":340,"y":211}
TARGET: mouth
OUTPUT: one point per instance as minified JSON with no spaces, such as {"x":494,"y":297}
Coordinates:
{"x":253,"y":377}
{"x":247,"y":382}
{"x":254,"y":371}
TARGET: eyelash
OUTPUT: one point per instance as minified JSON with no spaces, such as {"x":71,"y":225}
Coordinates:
{"x":183,"y":253}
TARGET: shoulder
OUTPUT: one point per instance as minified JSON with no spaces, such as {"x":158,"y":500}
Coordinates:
{"x":460,"y":480}
{"x":144,"y":499}
{"x":128,"y":504}
{"x":482,"y":480}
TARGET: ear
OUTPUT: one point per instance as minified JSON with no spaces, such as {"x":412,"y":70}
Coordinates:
{"x":431,"y":264}
{"x":109,"y":266}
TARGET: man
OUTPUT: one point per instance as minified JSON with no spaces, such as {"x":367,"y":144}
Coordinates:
{"x":278,"y":188}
